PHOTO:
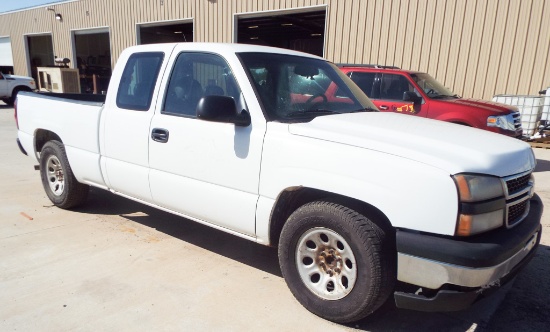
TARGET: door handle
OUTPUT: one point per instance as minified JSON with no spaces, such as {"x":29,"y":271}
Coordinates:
{"x":383,"y":107}
{"x":160,"y":135}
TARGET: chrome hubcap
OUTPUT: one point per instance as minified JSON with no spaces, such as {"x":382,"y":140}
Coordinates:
{"x":326,"y":263}
{"x":54,"y":172}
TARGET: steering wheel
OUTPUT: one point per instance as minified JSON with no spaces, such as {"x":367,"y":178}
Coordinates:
{"x":309,"y":102}
{"x":430,"y":91}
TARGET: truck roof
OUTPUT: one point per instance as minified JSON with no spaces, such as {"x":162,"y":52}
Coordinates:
{"x":224,"y":47}
{"x":374,"y":68}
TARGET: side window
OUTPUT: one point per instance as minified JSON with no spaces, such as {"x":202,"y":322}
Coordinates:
{"x":366,"y":82}
{"x":194,"y":76}
{"x":393,"y":86}
{"x":138,"y":80}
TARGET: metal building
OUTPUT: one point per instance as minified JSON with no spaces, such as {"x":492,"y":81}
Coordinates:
{"x":478,"y":48}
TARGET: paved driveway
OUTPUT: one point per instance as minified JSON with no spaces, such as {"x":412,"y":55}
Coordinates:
{"x":120,"y":265}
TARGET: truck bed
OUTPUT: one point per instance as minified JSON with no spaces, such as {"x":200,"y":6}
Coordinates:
{"x":74,"y":96}
{"x":74,"y":118}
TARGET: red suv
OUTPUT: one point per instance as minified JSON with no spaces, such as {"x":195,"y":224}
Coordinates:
{"x":415,"y":93}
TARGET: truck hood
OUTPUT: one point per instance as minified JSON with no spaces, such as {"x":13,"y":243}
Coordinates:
{"x":17,"y":77}
{"x":484,"y":104}
{"x":450,"y":147}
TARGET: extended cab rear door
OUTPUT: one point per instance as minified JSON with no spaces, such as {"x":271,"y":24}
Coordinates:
{"x":208,"y":171}
{"x":127,"y":118}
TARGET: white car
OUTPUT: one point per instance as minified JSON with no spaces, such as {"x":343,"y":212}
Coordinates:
{"x":11,"y":85}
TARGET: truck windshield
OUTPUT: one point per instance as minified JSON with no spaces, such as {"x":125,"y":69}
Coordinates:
{"x":431,"y":87}
{"x":294,"y":88}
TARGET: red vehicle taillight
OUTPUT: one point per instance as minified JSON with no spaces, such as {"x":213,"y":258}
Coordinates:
{"x":15,"y":113}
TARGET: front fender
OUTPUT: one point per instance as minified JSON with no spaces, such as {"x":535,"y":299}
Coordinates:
{"x":412,"y":195}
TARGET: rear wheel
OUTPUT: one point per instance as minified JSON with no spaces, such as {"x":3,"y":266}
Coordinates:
{"x":58,"y":180}
{"x":337,"y":263}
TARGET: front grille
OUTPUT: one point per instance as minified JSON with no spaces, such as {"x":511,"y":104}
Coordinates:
{"x":517,"y":212}
{"x":517,"y":184}
{"x":517,"y":120}
{"x":518,"y":193}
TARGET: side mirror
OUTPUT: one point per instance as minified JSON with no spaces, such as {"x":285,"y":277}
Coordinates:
{"x":221,"y":109}
{"x":306,"y":71}
{"x":411,"y":96}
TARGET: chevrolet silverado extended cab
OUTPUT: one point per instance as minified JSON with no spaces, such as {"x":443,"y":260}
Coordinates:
{"x":362,"y":205}
{"x":416,"y":93}
{"x":10,"y":85}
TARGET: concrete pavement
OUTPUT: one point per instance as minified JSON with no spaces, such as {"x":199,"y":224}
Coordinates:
{"x":119,"y":265}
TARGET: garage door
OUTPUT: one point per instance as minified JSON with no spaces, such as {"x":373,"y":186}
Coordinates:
{"x":6,"y":58}
{"x":300,"y":29}
{"x":165,"y":32}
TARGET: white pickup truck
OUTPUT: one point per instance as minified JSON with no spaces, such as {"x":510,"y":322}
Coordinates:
{"x":11,"y":85}
{"x":362,"y":205}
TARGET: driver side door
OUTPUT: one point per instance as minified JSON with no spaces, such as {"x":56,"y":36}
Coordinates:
{"x":207,"y":171}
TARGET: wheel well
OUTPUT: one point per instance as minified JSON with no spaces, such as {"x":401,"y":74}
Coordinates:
{"x":21,"y":88}
{"x":461,"y":123}
{"x":42,"y":136}
{"x":292,"y":198}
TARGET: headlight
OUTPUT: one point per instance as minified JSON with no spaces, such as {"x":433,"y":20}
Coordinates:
{"x":474,"y":188}
{"x":505,"y":122}
{"x":478,"y":223}
{"x":482,"y":204}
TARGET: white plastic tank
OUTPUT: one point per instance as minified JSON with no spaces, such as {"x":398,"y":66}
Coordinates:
{"x":546,"y":107}
{"x":530,"y":108}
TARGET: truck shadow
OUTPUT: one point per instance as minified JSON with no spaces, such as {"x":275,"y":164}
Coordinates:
{"x":247,"y":252}
{"x":527,"y":304}
{"x":542,"y":166}
{"x":521,"y":305}
{"x":513,"y":304}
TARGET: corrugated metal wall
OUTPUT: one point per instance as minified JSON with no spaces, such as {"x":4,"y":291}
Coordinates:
{"x":478,"y":48}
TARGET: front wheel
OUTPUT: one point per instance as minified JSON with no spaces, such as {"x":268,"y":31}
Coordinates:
{"x":57,"y":176}
{"x":337,"y":263}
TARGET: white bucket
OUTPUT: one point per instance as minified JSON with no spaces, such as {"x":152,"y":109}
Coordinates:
{"x":530,"y":108}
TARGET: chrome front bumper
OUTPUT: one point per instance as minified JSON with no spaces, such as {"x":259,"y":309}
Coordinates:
{"x":433,"y":274}
{"x":441,"y":273}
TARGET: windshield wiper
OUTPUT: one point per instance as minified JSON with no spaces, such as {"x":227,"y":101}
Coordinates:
{"x":310,"y":113}
{"x":367,"y":109}
{"x":443,"y":96}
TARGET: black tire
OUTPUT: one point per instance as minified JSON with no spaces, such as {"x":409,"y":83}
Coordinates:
{"x":371,"y":246}
{"x":9,"y":101}
{"x":57,"y":177}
